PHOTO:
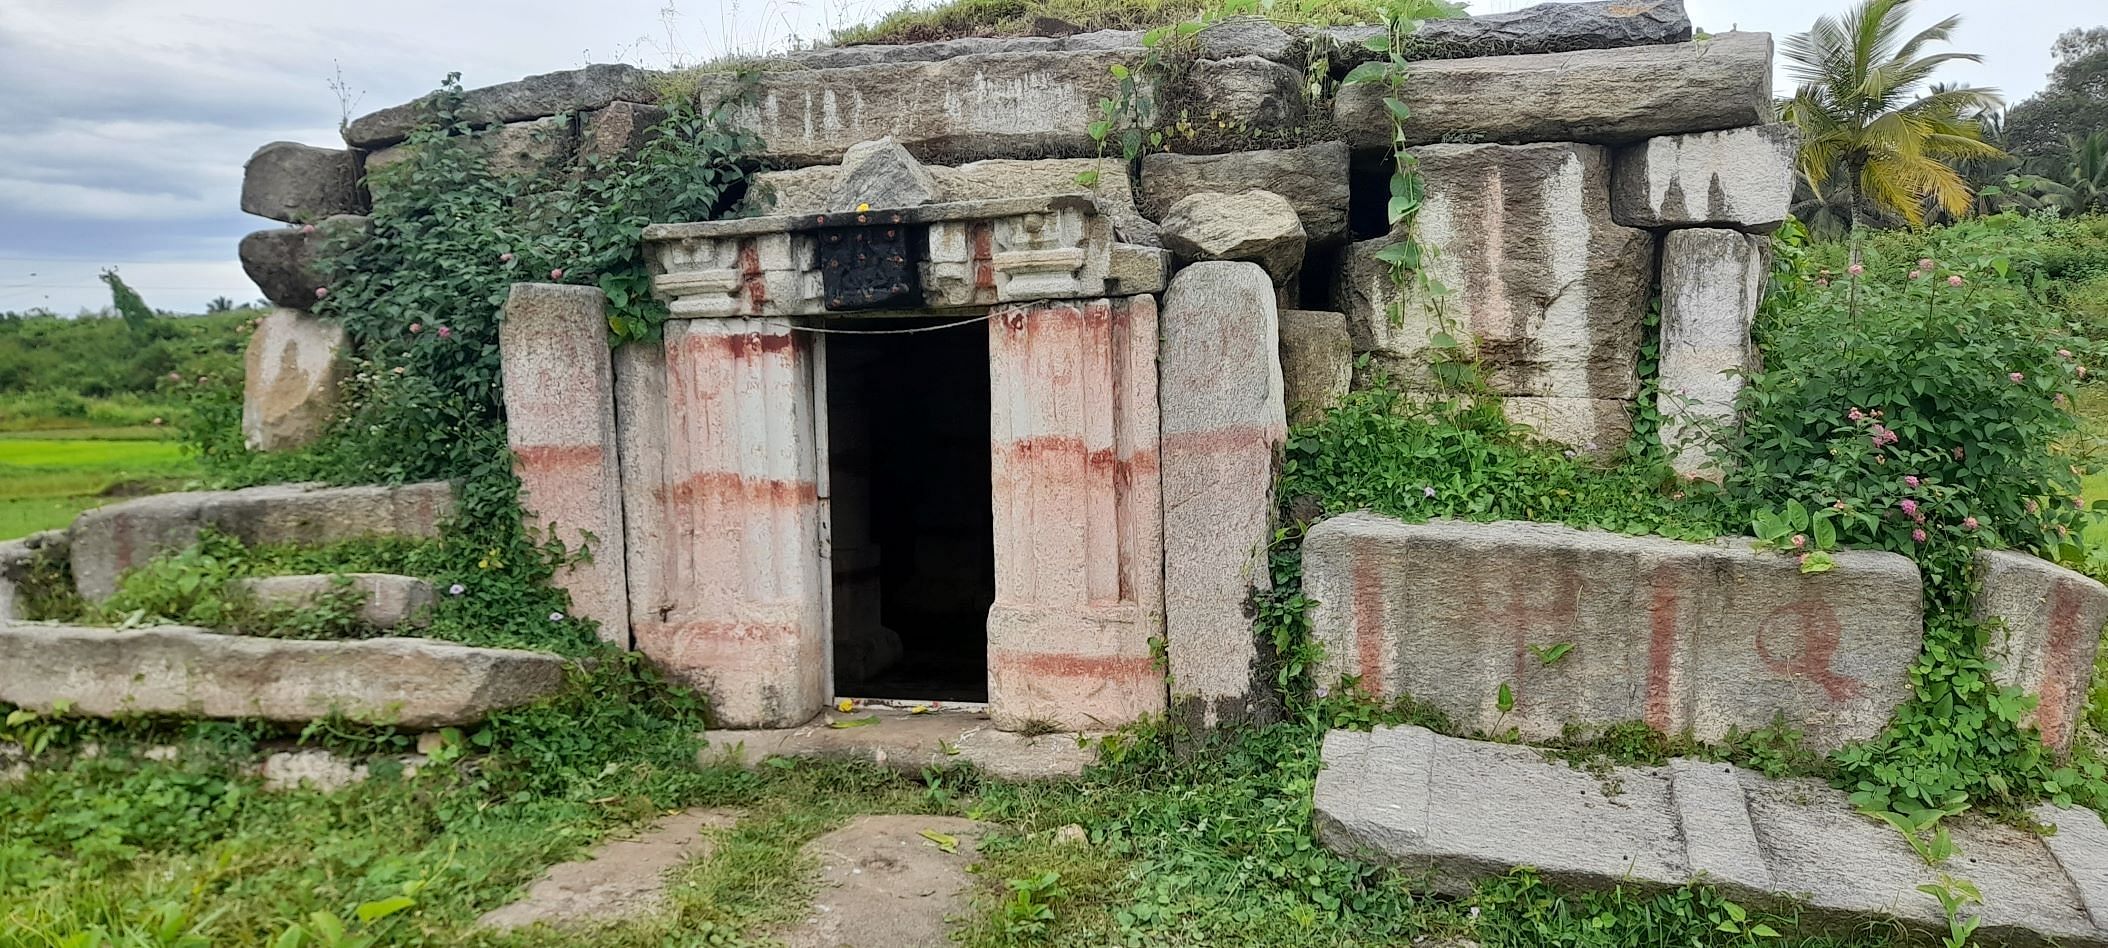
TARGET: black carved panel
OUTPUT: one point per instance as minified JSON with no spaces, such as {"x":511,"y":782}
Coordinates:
{"x":871,"y":264}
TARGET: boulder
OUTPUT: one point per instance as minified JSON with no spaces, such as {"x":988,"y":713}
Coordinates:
{"x":1313,"y":179}
{"x":619,"y":131}
{"x":178,"y":671}
{"x":1223,"y":427}
{"x":386,"y":600}
{"x":1593,"y":426}
{"x":1712,"y":281}
{"x":1550,"y":290}
{"x":995,"y":105}
{"x":555,"y":93}
{"x":1247,"y":93}
{"x":1741,"y":178}
{"x":1697,"y":639}
{"x":1609,"y":96}
{"x":109,"y":540}
{"x":291,"y":373}
{"x":295,"y":183}
{"x":1544,"y":28}
{"x":20,"y":560}
{"x":1242,"y":36}
{"x":2050,"y":628}
{"x":1317,"y":363}
{"x":1408,"y":798}
{"x":1258,"y":226}
{"x":881,"y":174}
{"x":290,"y":263}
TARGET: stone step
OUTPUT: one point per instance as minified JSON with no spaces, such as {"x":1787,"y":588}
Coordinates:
{"x":909,"y":742}
{"x":1461,"y":811}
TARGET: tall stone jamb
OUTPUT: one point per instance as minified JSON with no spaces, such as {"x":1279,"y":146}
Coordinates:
{"x":1224,"y":426}
{"x":641,"y":439}
{"x":1712,"y":281}
{"x":2050,"y":620}
{"x":560,"y":423}
{"x":291,"y":371}
{"x":742,"y":617}
{"x":1079,"y":553}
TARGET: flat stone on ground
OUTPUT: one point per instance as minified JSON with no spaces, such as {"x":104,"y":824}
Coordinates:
{"x":621,"y":878}
{"x":884,"y":884}
{"x":909,"y":742}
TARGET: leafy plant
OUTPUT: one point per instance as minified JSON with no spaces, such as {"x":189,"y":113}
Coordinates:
{"x":1955,"y":896}
{"x":1030,"y":909}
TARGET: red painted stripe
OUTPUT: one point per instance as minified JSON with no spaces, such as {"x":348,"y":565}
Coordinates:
{"x":2052,"y":712}
{"x":556,"y":457}
{"x":1661,"y":651}
{"x":720,"y":486}
{"x":1368,"y":619}
{"x":1064,"y":665}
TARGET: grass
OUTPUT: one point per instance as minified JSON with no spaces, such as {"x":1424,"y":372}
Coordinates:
{"x":959,"y":18}
{"x":48,"y":477}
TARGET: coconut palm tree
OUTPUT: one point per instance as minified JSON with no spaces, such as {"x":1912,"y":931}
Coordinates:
{"x":1863,"y":121}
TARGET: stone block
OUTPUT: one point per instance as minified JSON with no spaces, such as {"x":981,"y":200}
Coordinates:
{"x":517,"y":149}
{"x":1712,"y":281}
{"x":877,"y":54}
{"x":295,"y":183}
{"x":108,"y":540}
{"x":1608,"y":96}
{"x":1223,"y":427}
{"x":290,"y":377}
{"x":1694,"y":639}
{"x":642,"y":438}
{"x":2051,"y":619}
{"x":805,"y":190}
{"x":1551,"y":291}
{"x":1133,"y":269}
{"x":619,"y":131}
{"x":1242,"y":36}
{"x":910,"y":743}
{"x":173,"y":670}
{"x":560,"y":423}
{"x":555,"y":93}
{"x":1256,"y":226}
{"x":289,"y":264}
{"x":996,"y":105}
{"x":1313,"y":178}
{"x":1595,"y":426}
{"x":1079,"y":556}
{"x":1544,"y":28}
{"x":1741,"y":178}
{"x":386,"y":600}
{"x":1246,"y":93}
{"x":1317,"y":363}
{"x":1408,"y":798}
{"x":19,"y":561}
{"x":881,"y":174}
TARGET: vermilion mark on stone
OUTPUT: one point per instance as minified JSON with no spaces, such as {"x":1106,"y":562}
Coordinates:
{"x":1368,"y":619}
{"x":1800,"y":640}
{"x":2051,"y":716}
{"x":750,"y":276}
{"x":1661,"y":652}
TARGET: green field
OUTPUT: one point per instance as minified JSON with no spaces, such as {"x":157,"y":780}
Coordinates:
{"x":46,"y":477}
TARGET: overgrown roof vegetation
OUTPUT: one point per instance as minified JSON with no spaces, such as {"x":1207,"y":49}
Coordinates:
{"x":953,"y":19}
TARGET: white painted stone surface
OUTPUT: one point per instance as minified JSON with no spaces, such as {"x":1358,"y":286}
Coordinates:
{"x":1712,"y":281}
{"x":1741,"y":178}
{"x":291,"y":372}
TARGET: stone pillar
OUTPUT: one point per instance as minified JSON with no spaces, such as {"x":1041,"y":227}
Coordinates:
{"x":560,"y":423}
{"x":742,"y":582}
{"x":1223,"y":427}
{"x":1078,"y":514}
{"x":291,"y":371}
{"x":1712,"y":281}
{"x":641,"y":438}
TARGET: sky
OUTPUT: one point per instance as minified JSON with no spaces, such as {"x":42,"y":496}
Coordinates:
{"x":127,"y":121}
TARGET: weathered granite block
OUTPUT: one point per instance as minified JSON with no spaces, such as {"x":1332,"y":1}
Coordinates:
{"x":2052,"y":620}
{"x":570,"y":90}
{"x":1313,"y":178}
{"x":1317,"y":363}
{"x":1691,"y":638}
{"x":19,"y":559}
{"x":1594,"y":426}
{"x":387,"y":601}
{"x":1256,"y":226}
{"x":1712,"y":281}
{"x":1544,"y":28}
{"x":295,"y":183}
{"x":291,"y":264}
{"x":291,"y":372}
{"x":621,"y":130}
{"x":1246,"y":93}
{"x":805,"y":190}
{"x":1741,"y":178}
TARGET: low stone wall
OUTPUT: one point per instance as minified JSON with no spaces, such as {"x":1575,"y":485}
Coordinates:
{"x":174,"y":670}
{"x":1692,"y":638}
{"x":108,"y":540}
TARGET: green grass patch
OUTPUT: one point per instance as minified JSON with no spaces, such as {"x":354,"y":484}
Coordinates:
{"x":45,"y":482}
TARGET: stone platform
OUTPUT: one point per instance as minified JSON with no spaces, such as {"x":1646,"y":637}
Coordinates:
{"x":908,"y":742}
{"x":1460,"y":811}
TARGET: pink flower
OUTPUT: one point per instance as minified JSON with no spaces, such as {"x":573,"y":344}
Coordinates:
{"x":175,"y":376}
{"x":307,"y":228}
{"x":556,"y":274}
{"x":2016,"y":377}
{"x":2060,"y":400}
{"x":321,"y":291}
{"x":445,"y":332}
{"x":1918,"y":535}
{"x":1839,"y":506}
{"x":1823,"y":282}
{"x":505,"y":257}
{"x":1908,"y":506}
{"x":1958,"y":452}
{"x":417,"y":327}
{"x":1955,"y":280}
{"x":2031,"y":506}
{"x":1969,"y":523}
{"x":1917,"y":274}
{"x":1429,"y":492}
{"x":1800,"y":540}
{"x":1910,"y":480}
{"x":1855,"y":414}
{"x":1856,"y":269}
{"x":2082,"y":371}
{"x":2064,"y":353}
{"x":2078,"y":503}
{"x":1924,"y":263}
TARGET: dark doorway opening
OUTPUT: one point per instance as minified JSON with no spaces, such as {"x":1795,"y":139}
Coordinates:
{"x":911,"y":529}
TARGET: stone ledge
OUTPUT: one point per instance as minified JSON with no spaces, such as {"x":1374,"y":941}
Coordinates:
{"x":175,"y":670}
{"x":910,"y":742}
{"x":1409,"y":798}
{"x":386,"y":600}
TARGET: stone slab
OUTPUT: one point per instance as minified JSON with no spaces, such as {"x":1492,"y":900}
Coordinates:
{"x":1712,"y":281}
{"x":1544,"y":28}
{"x":1223,"y":426}
{"x":798,"y":191}
{"x":386,"y":600}
{"x":291,"y":373}
{"x":173,"y":670}
{"x":620,"y":879}
{"x":570,"y":90}
{"x":1317,"y":363}
{"x":1741,"y":178}
{"x":1313,"y":178}
{"x":994,"y":105}
{"x":1692,"y":638}
{"x":108,"y":540}
{"x":1609,"y":96}
{"x":884,"y":883}
{"x":910,"y":742}
{"x":295,"y":183}
{"x":1409,"y":798}
{"x":619,"y":131}
{"x":2051,"y":619}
